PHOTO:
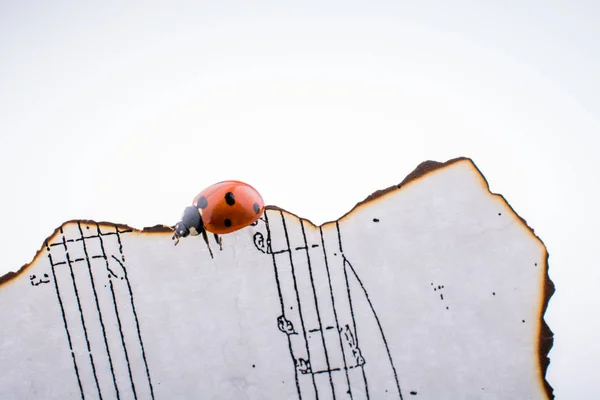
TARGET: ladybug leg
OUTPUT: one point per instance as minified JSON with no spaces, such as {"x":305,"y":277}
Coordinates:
{"x":205,"y":237}
{"x":219,"y":241}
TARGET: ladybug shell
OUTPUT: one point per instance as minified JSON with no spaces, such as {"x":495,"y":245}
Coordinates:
{"x":229,"y":206}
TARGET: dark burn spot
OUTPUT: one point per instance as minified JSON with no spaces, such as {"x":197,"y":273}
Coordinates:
{"x":256,"y":208}
{"x":202,"y":202}
{"x":229,"y":198}
{"x":375,"y":219}
{"x":227,"y":222}
{"x":413,"y":393}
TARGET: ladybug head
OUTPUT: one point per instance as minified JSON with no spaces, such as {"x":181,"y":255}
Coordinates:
{"x":190,"y":224}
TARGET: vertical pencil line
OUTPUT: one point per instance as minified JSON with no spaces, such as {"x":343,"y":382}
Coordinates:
{"x":135,"y":316}
{"x":387,"y":348}
{"x":314,"y":290}
{"x":337,"y":324}
{"x":116,"y":308}
{"x":287,"y":240}
{"x":64,"y":317}
{"x":281,"y":301}
{"x":112,"y":290}
{"x":89,"y":265}
{"x":85,"y":333}
{"x":337,"y":226}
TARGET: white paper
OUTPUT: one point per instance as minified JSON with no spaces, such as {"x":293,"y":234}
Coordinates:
{"x":434,"y":290}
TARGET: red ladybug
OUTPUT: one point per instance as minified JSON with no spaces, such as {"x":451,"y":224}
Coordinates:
{"x":224,"y":207}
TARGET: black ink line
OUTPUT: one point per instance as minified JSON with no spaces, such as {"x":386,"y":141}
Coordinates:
{"x":329,"y":371}
{"x":314,"y":245}
{"x":62,"y":242}
{"x":89,"y":265}
{"x":337,"y":325}
{"x":110,"y":271}
{"x":287,"y":240}
{"x":281,"y":303}
{"x":337,"y":226}
{"x":112,"y":290}
{"x":89,"y":237}
{"x":135,"y":316}
{"x":116,"y":308}
{"x":137,"y":326}
{"x":318,"y":329}
{"x":300,"y":248}
{"x":280,"y":251}
{"x":116,"y":232}
{"x":64,"y":317}
{"x":85,"y":334}
{"x":387,"y":349}
{"x":312,"y":282}
{"x":339,"y":235}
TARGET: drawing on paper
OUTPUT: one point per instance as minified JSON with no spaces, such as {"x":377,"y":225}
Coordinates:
{"x":408,"y":295}
{"x":318,"y":291}
{"x":79,"y":263}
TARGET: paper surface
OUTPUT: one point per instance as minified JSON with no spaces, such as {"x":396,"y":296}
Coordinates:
{"x":433,"y":290}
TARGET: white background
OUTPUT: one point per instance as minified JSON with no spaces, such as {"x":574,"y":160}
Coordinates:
{"x":124,"y":113}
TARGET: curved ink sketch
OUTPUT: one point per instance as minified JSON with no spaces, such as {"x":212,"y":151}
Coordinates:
{"x":102,"y":352}
{"x":366,"y":311}
{"x":325,"y":311}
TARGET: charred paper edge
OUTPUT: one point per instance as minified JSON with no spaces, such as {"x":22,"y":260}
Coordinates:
{"x":545,"y":335}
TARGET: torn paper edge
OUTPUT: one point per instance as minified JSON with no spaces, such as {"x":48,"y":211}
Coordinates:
{"x":545,"y":334}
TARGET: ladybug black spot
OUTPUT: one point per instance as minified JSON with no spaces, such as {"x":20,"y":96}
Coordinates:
{"x":256,"y":208}
{"x":229,"y":198}
{"x":202,"y":202}
{"x":227,"y":222}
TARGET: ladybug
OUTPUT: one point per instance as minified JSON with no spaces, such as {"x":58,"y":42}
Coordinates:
{"x":222,"y":208}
